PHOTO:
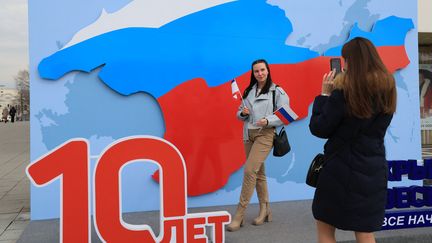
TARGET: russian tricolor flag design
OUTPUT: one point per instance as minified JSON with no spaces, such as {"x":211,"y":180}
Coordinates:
{"x":235,"y":89}
{"x":286,"y":114}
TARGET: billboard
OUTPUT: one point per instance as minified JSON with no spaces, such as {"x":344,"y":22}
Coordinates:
{"x":164,"y":69}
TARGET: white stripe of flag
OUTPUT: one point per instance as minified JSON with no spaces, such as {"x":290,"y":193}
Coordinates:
{"x":286,"y":114}
{"x":235,"y":89}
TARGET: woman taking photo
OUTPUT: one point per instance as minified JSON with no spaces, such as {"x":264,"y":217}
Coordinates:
{"x":258,"y":132}
{"x":353,"y":113}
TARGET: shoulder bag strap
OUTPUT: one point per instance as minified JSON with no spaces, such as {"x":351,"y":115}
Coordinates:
{"x":274,"y":99}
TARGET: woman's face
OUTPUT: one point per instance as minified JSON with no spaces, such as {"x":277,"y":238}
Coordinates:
{"x":260,"y":72}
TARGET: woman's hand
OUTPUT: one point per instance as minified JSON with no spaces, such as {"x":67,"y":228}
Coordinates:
{"x":245,"y":111}
{"x":262,"y":122}
{"x":327,"y":83}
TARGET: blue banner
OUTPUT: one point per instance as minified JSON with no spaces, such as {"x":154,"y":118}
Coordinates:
{"x":407,"y":219}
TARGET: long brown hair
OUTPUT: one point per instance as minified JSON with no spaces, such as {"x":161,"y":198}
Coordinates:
{"x":367,"y":84}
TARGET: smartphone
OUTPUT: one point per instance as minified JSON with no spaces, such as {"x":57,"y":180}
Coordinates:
{"x":335,"y":63}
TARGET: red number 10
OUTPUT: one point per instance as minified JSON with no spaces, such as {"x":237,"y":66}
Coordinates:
{"x":69,"y":162}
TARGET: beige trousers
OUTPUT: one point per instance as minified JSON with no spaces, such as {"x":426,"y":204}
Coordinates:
{"x":257,"y":149}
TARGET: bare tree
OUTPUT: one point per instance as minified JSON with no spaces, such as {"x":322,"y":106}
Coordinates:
{"x":22,"y":81}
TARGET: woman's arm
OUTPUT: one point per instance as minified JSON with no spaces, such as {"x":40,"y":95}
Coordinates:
{"x":243,"y":113}
{"x":327,"y":113}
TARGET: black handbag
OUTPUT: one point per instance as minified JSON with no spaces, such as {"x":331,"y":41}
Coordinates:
{"x":314,"y":170}
{"x":317,"y":165}
{"x":281,"y":145}
{"x":319,"y":162}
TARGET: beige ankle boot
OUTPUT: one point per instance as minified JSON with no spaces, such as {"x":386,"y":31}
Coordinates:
{"x":237,"y":221}
{"x":265,"y":214}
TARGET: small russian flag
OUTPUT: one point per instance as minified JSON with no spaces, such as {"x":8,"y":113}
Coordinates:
{"x":286,"y":114}
{"x":235,"y":89}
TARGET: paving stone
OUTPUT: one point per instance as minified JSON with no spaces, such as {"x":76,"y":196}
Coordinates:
{"x":8,"y":216}
{"x":10,"y":207}
{"x":23,"y":216}
{"x":11,"y":196}
{"x":8,"y":241}
{"x":19,"y":190}
{"x":11,"y":235}
{"x":18,"y":225}
{"x":8,"y":182}
{"x":26,"y":209}
{"x":4,"y":189}
{"x":14,"y":184}
{"x":4,"y":224}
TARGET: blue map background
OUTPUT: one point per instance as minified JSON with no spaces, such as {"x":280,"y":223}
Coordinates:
{"x":80,"y":105}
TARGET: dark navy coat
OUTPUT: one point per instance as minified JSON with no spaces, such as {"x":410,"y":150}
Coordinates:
{"x":351,"y":192}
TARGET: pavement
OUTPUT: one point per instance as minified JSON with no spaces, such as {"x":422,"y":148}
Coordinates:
{"x":14,"y":185}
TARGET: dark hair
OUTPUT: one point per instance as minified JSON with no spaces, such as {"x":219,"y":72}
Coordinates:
{"x":253,"y":80}
{"x":367,"y":84}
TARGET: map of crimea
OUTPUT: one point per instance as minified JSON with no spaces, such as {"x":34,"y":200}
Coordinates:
{"x":187,"y":66}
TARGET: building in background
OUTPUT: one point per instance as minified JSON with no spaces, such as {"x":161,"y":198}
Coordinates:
{"x":425,"y":71}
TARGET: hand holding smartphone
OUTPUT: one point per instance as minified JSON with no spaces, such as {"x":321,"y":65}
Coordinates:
{"x":327,"y":83}
{"x":335,"y":64}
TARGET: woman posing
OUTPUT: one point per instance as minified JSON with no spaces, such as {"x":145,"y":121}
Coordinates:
{"x":258,"y":131}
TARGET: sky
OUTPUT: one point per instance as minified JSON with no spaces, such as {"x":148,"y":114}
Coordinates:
{"x":13,"y":40}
